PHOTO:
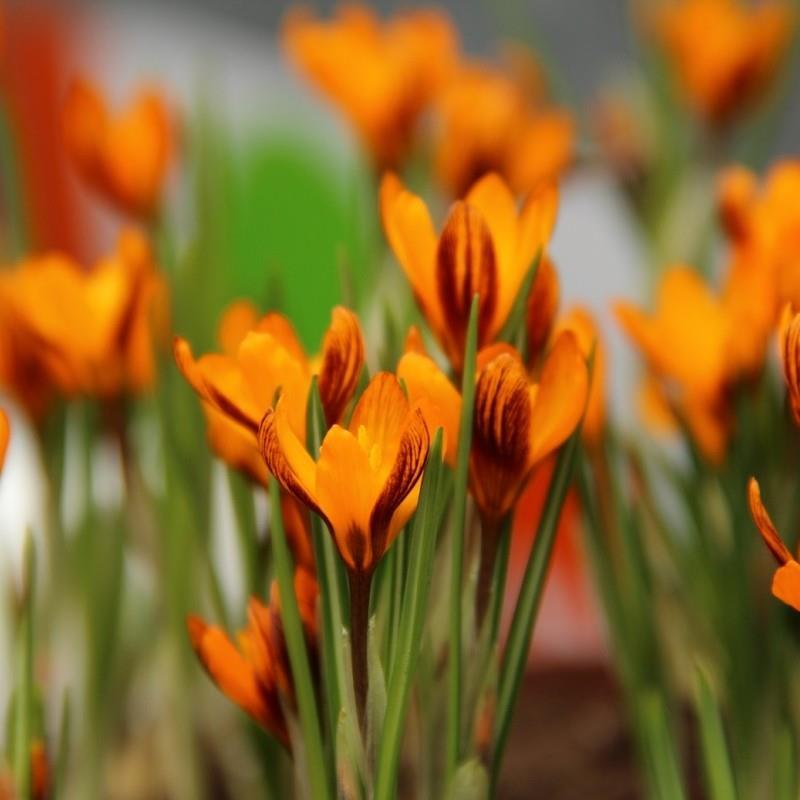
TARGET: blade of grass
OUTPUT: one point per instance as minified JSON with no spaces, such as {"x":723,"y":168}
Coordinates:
{"x":457,"y":569}
{"x":24,"y":694}
{"x":415,"y":603}
{"x":519,"y":637}
{"x":716,"y":758}
{"x":661,"y":748}
{"x":334,"y":671}
{"x":784,"y":781}
{"x":298,"y":656}
{"x":62,"y":757}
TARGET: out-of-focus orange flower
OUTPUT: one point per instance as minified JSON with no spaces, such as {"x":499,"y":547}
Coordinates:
{"x":256,"y":675}
{"x":486,"y":247}
{"x":687,"y":345}
{"x":381,"y":74}
{"x":518,"y":423}
{"x":83,"y":331}
{"x":382,"y":452}
{"x":123,"y":158}
{"x":786,"y":581}
{"x":790,"y":357}
{"x":40,"y":770}
{"x":724,"y":53}
{"x":4,"y":436}
{"x":487,"y":123}
{"x":582,"y":324}
{"x":260,"y":356}
{"x":542,"y":308}
{"x":763,"y":222}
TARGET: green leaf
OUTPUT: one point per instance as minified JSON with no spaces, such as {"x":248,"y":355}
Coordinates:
{"x":424,"y":535}
{"x":470,"y":782}
{"x":660,"y":747}
{"x":376,"y":697}
{"x":513,"y":331}
{"x":298,"y":656}
{"x":330,"y":597}
{"x":348,"y":757}
{"x":522,"y":623}
{"x":716,"y":758}
{"x":784,"y":785}
{"x":454,"y":688}
{"x":23,"y":707}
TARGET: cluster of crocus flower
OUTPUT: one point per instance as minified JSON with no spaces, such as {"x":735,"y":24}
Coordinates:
{"x":724,"y":53}
{"x":484,"y":117}
{"x":256,"y":391}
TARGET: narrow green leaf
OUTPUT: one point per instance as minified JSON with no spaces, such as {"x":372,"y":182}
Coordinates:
{"x":298,"y":656}
{"x":454,"y":688}
{"x":334,"y":671}
{"x":376,"y":697}
{"x":716,"y":758}
{"x":62,"y":758}
{"x":470,"y":782}
{"x":23,"y":713}
{"x":348,"y":756}
{"x":661,"y":748}
{"x":514,"y":329}
{"x":784,"y":785}
{"x":519,"y":637}
{"x":415,"y":604}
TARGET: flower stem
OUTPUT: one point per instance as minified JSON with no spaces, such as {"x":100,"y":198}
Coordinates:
{"x":360,"y":584}
{"x":490,"y":538}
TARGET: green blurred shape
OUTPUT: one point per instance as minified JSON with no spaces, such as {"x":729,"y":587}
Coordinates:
{"x":283,"y":216}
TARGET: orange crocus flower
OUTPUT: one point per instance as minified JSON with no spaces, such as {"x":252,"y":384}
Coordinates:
{"x":763,"y":222}
{"x":487,"y":122}
{"x":517,"y":422}
{"x":686,"y":343}
{"x":486,"y":247}
{"x":724,"y":53}
{"x":260,"y":356}
{"x":85,"y":331}
{"x":256,"y":674}
{"x":123,"y":158}
{"x":786,"y":581}
{"x":382,"y":453}
{"x":382,"y":75}
{"x":582,"y":324}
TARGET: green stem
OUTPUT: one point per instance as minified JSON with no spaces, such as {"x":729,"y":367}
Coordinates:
{"x":527,"y":607}
{"x":298,"y":656}
{"x":454,"y":687}
{"x":360,"y":584}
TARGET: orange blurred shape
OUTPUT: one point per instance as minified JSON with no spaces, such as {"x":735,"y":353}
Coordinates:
{"x":124,"y":157}
{"x":34,"y":60}
{"x":568,"y":626}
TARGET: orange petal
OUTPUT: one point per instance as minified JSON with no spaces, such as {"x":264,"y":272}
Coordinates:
{"x":786,"y":584}
{"x":381,"y":411}
{"x":238,"y":319}
{"x":765,"y":525}
{"x":536,"y":223}
{"x":736,"y":190}
{"x":561,"y":399}
{"x":232,"y":673}
{"x":348,"y":503}
{"x":4,"y":436}
{"x":790,"y":357}
{"x":438,"y":400}
{"x":542,"y":308}
{"x":286,"y":457}
{"x":466,"y":265}
{"x":412,"y":238}
{"x":398,"y":498}
{"x":84,"y":122}
{"x":342,"y":362}
{"x":500,"y":457}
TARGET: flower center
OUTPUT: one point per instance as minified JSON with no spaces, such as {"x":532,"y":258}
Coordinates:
{"x":372,"y":449}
